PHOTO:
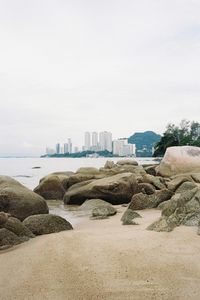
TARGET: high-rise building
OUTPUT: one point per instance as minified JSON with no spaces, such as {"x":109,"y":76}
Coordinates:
{"x":94,"y":140}
{"x":58,"y":148}
{"x":118,"y":147}
{"x":105,"y":141}
{"x":66,"y":148}
{"x":87,"y":143}
{"x":69,"y":145}
{"x":122,"y":148}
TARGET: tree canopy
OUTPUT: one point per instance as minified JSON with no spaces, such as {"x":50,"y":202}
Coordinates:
{"x":187,"y":133}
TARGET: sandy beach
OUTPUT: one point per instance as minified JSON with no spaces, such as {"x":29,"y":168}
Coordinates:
{"x":101,"y":259}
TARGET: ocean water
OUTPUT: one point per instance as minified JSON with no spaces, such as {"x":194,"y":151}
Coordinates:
{"x":22,"y":169}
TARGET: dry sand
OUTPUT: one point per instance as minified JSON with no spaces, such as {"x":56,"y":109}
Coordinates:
{"x":101,"y":259}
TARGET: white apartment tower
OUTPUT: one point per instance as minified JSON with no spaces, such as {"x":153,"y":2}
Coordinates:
{"x":87,"y":143}
{"x":94,"y":141}
{"x":66,"y":148}
{"x":69,"y":145}
{"x":58,"y":148}
{"x":105,"y":141}
{"x":122,"y":148}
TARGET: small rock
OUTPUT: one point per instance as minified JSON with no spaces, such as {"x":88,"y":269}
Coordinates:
{"x":45,"y":224}
{"x":128,"y":216}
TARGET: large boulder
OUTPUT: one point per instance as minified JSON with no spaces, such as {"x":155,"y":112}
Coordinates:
{"x":181,"y":159}
{"x":115,"y":189}
{"x":183,"y":208}
{"x":18,"y":200}
{"x":50,"y":188}
{"x":142,"y":201}
{"x":88,"y":170}
{"x":54,"y":185}
{"x":45,"y":224}
{"x":81,"y":177}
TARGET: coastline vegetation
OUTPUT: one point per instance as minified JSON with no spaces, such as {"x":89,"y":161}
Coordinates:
{"x":186,"y":133}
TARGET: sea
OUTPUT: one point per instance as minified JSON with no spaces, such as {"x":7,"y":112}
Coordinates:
{"x":29,"y":171}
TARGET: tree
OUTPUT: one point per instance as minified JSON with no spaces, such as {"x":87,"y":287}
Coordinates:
{"x":187,"y":133}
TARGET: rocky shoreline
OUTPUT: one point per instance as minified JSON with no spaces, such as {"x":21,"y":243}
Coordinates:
{"x":24,"y":213}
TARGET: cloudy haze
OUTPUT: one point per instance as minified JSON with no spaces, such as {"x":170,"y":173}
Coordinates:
{"x":69,"y":66}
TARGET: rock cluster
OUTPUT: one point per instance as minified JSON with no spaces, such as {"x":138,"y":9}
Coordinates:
{"x":182,"y":208}
{"x":163,"y":186}
{"x":13,"y":231}
{"x":17,"y":205}
{"x":171,"y":187}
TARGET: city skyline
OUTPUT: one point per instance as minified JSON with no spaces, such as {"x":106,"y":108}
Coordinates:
{"x":95,"y":141}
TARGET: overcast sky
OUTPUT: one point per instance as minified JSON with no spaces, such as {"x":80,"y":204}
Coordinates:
{"x":70,"y":66}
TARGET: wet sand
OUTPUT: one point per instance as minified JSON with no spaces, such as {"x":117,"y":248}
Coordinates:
{"x":101,"y":259}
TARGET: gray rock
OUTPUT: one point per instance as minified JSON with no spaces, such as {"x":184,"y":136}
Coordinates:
{"x":78,"y":178}
{"x":142,"y":201}
{"x":150,"y":169}
{"x":118,"y":169}
{"x":19,"y":201}
{"x":88,"y":170}
{"x":115,"y":189}
{"x":162,"y":224}
{"x":45,"y":224}
{"x":198,"y":230}
{"x":3,"y":218}
{"x":91,"y":204}
{"x":131,"y":162}
{"x":103,"y":212}
{"x":162,"y":205}
{"x":17,"y":227}
{"x":8,"y":238}
{"x":185,"y":186}
{"x":128,"y":216}
{"x":156,"y":181}
{"x":109,"y":164}
{"x":182,"y":208}
{"x":177,"y":181}
{"x":146,"y":188}
{"x":196,"y":177}
{"x":51,"y":187}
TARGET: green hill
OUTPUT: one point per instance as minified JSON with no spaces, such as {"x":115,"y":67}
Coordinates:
{"x":144,"y":141}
